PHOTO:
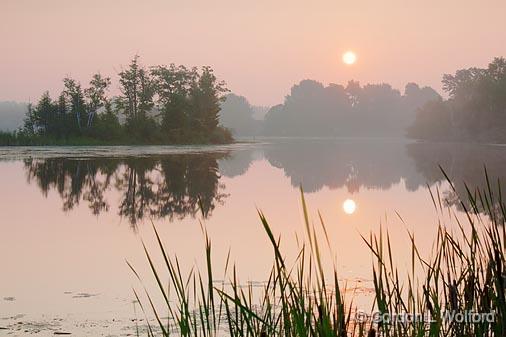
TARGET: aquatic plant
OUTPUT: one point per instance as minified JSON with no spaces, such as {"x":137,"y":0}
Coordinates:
{"x":463,"y":278}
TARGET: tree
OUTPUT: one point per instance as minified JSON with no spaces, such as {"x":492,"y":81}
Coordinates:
{"x":77,"y":104}
{"x":476,"y":107}
{"x":107,"y":125}
{"x":45,"y":115}
{"x":138,"y":89}
{"x":353,"y":90}
{"x":207,"y":93}
{"x":29,"y":122}
{"x":237,"y":114}
{"x":161,"y":105}
{"x":173,"y":86}
{"x":424,"y":125}
{"x":372,"y":110}
{"x":66,"y":124}
{"x":96,"y":95}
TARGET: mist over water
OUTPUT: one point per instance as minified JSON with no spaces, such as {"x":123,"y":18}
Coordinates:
{"x":193,"y":151}
{"x":85,"y":203}
{"x":166,"y":182}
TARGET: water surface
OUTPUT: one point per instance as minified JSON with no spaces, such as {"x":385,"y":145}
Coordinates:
{"x":71,"y":216}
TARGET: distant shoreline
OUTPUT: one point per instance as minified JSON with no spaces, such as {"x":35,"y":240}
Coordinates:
{"x":85,"y":142}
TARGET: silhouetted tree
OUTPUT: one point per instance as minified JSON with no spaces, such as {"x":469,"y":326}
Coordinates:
{"x":45,"y":116}
{"x":474,"y":110}
{"x":29,"y":122}
{"x":138,"y":90}
{"x":77,"y":105}
{"x":206,"y":96}
{"x":237,"y":115}
{"x":163,"y":105}
{"x":96,"y":96}
{"x":313,"y":109}
{"x":424,"y":126}
{"x":173,"y":85}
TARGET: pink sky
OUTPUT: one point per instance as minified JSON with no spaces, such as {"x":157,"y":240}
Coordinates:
{"x":260,"y":48}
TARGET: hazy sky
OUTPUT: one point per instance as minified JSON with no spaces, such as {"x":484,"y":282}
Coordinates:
{"x":260,"y":48}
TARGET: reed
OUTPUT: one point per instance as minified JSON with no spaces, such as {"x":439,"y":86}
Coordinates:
{"x":465,"y":273}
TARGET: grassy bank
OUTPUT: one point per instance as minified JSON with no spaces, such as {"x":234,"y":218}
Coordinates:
{"x":465,"y":274}
{"x":219,"y":136}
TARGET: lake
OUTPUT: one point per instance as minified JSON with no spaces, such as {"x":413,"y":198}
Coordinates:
{"x":71,"y":216}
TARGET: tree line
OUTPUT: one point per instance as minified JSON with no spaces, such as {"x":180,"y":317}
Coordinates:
{"x":313,"y":109}
{"x":156,"y":105}
{"x":175,"y":104}
{"x":474,"y":111}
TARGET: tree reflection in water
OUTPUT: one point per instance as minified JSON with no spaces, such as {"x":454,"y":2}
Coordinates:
{"x":465,"y":165}
{"x":173,"y":186}
{"x":170,"y":186}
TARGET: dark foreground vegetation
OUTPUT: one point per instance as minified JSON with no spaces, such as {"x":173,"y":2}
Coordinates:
{"x":474,"y":111}
{"x":160,"y":105}
{"x":464,"y":274}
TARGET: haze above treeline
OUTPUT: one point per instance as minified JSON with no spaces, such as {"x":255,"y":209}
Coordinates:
{"x":475,"y":110}
{"x":260,"y":48}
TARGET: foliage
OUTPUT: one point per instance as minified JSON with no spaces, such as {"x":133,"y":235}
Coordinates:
{"x":137,"y":100}
{"x":312,"y":109}
{"x":237,"y":114}
{"x":157,"y":105}
{"x":475,"y":109}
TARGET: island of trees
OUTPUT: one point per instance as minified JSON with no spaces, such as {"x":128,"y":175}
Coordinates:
{"x":157,"y":105}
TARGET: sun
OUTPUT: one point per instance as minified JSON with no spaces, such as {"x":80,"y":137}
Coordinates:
{"x":349,"y":206}
{"x":349,"y":57}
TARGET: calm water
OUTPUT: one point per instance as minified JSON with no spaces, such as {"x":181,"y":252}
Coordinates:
{"x":70,"y":217}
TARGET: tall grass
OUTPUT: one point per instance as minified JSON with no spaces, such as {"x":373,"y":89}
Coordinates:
{"x":465,"y":273}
